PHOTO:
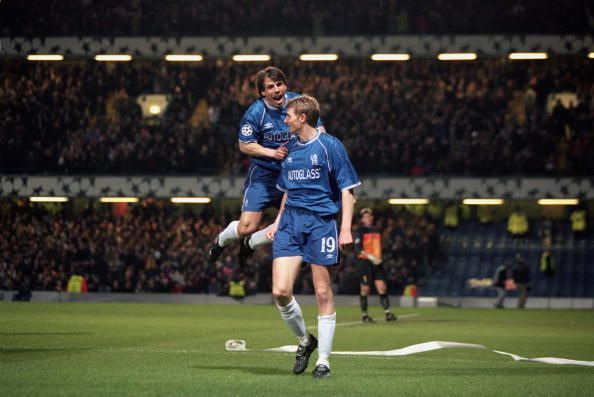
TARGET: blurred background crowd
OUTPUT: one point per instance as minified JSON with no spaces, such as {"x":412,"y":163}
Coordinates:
{"x":490,"y":117}
{"x":157,"y":247}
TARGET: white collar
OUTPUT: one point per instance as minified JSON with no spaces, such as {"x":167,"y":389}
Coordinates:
{"x":311,"y":140}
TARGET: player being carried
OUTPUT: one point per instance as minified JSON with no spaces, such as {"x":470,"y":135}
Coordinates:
{"x":262,"y":135}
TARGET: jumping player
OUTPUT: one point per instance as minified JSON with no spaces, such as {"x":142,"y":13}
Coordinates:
{"x":263,"y":135}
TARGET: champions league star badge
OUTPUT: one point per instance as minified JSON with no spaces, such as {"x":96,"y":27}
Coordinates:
{"x":247,"y":130}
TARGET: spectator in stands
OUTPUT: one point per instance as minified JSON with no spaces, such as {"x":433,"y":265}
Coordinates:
{"x":517,"y":223}
{"x":548,"y":266}
{"x":77,"y":283}
{"x":237,"y":286}
{"x":578,"y":220}
{"x":451,"y":217}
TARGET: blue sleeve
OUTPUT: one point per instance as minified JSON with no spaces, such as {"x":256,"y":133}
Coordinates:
{"x":249,"y":128}
{"x":342,"y":168}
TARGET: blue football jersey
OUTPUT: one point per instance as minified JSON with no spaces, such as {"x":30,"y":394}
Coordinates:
{"x":314,"y":174}
{"x":265,"y":125}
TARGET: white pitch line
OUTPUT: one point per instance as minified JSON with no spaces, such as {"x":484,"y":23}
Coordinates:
{"x":241,"y":345}
{"x":361,"y":322}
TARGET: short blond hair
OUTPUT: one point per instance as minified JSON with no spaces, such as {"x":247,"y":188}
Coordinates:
{"x":308,"y":106}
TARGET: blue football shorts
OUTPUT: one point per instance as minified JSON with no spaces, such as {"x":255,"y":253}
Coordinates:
{"x":307,"y":234}
{"x":259,"y":189}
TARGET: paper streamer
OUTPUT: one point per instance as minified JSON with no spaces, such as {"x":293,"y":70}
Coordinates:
{"x":237,"y":345}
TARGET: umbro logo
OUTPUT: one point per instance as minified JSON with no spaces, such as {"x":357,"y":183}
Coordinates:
{"x":268,"y":126}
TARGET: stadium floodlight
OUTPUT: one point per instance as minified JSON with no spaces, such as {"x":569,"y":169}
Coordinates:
{"x":45,"y":57}
{"x":155,"y":109}
{"x":48,"y":199}
{"x":191,"y":200}
{"x":184,"y":58}
{"x":405,"y":201}
{"x":118,"y":199}
{"x":251,"y":58}
{"x":457,"y":56}
{"x":570,"y":201}
{"x":591,"y":55}
{"x":482,"y":201}
{"x":113,"y":58}
{"x":528,"y":55}
{"x":318,"y":57}
{"x":390,"y":57}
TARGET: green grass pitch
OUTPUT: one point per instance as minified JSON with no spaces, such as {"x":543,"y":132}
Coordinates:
{"x":111,"y":349}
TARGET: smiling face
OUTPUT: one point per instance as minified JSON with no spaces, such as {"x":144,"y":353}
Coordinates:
{"x":274,"y":92}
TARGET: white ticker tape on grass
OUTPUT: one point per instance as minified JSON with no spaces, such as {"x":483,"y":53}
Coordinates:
{"x":237,"y":345}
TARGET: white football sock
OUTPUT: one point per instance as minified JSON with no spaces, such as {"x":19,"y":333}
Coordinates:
{"x":229,"y":234}
{"x":326,"y":326}
{"x":259,"y":238}
{"x":293,"y":317}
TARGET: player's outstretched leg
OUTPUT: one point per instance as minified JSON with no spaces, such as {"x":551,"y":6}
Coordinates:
{"x":221,"y":240}
{"x":245,"y":251}
{"x":215,"y":250}
{"x":249,"y":244}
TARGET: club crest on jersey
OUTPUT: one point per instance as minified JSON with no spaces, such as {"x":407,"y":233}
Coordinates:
{"x":247,"y":130}
{"x":314,"y":159}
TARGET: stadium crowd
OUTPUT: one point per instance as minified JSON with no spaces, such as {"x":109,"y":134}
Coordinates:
{"x":329,"y":17}
{"x":484,"y":118}
{"x":157,"y":247}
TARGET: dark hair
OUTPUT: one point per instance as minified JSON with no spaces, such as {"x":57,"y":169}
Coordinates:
{"x":307,"y":105}
{"x":275,"y":74}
